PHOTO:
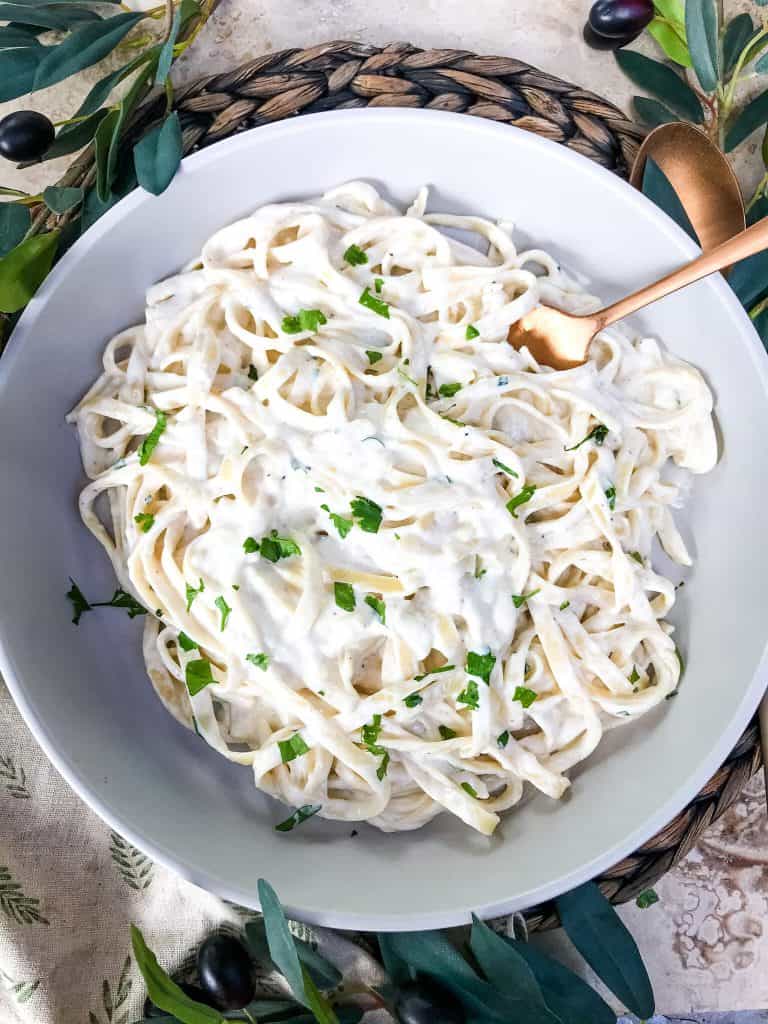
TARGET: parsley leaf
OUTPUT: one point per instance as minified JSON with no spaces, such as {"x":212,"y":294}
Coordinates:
{"x":637,"y":557}
{"x":647,"y":898}
{"x":448,"y":390}
{"x":480,"y":665}
{"x":292,"y":748}
{"x":225,"y":610}
{"x":635,"y":675}
{"x":259,"y":660}
{"x":520,"y":499}
{"x":564,"y":605}
{"x":145,"y":521}
{"x":253,"y":373}
{"x":305,"y":320}
{"x":597,"y":434}
{"x":505,"y":469}
{"x":250,"y":545}
{"x":413,"y":700}
{"x":300,"y":815}
{"x":378,"y":284}
{"x":611,"y":496}
{"x":370,"y":732}
{"x":434,"y":672}
{"x":378,"y":606}
{"x":469,"y":789}
{"x":198,"y":675}
{"x":192,"y":593}
{"x":524,"y":695}
{"x":406,"y":376}
{"x":375,"y":305}
{"x":122,"y":599}
{"x":355,"y":256}
{"x":445,"y":732}
{"x":185,"y":643}
{"x":373,"y":356}
{"x":342,"y":525}
{"x":381,"y":771}
{"x":518,"y":600}
{"x":502,"y":739}
{"x":470,"y":696}
{"x":79,"y":602}
{"x":273,"y":548}
{"x":367,"y":513}
{"x":344,"y":596}
{"x":471,"y":332}
{"x":149,"y":443}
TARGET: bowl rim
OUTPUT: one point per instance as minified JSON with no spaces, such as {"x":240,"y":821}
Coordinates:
{"x":460,"y":913}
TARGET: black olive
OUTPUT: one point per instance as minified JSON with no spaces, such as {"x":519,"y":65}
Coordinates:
{"x":425,"y":1002}
{"x":599,"y":42}
{"x":150,"y":1010}
{"x":620,"y":18}
{"x":224,"y":967}
{"x":25,"y":135}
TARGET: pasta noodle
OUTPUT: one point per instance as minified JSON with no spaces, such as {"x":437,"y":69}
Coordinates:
{"x":390,"y":563}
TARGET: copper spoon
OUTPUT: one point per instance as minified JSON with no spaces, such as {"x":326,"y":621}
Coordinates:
{"x":561,"y":340}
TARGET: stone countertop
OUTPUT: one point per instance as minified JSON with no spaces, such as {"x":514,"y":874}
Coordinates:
{"x":705,"y":942}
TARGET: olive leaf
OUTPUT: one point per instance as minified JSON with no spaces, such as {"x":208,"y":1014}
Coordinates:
{"x":12,"y":36}
{"x":17,"y":71}
{"x":322,"y":971}
{"x":565,"y":993}
{"x":94,"y":207}
{"x":738,"y":34}
{"x":166,"y":53}
{"x":662,"y":82}
{"x":14,"y":224}
{"x":702,"y":35}
{"x":752,"y":117}
{"x":749,"y":278}
{"x":398,"y":969}
{"x":653,"y":113}
{"x":101,"y":90}
{"x":673,"y":11}
{"x":82,"y":48}
{"x":596,"y":930}
{"x":24,"y":268}
{"x":762,"y":65}
{"x":47,"y":16}
{"x":673,"y":45}
{"x":75,"y":136}
{"x":157,"y":155}
{"x":105,"y":133}
{"x":164,"y":992}
{"x":282,"y":948}
{"x":59,"y":199}
{"x":657,"y":188}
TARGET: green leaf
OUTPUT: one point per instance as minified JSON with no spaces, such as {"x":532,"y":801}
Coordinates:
{"x":658,"y":189}
{"x":662,"y":82}
{"x":670,"y":41}
{"x":74,"y":136}
{"x":107,"y":131}
{"x":762,"y":65}
{"x":653,"y":113}
{"x":165,"y":58}
{"x":101,"y":90}
{"x":198,"y":675}
{"x":398,"y":969}
{"x":737,"y":35}
{"x":566,"y":995}
{"x":596,"y":930}
{"x":158,"y":154}
{"x":14,"y":224}
{"x":299,"y":816}
{"x":282,"y":948}
{"x":48,"y":16}
{"x":324,"y":974}
{"x":24,"y":269}
{"x":13,"y":36}
{"x":752,"y":117}
{"x":152,"y":439}
{"x":344,"y":595}
{"x":17,"y":72}
{"x":94,"y":207}
{"x":59,"y":200}
{"x":82,"y":48}
{"x":702,"y":35}
{"x":367,"y":513}
{"x":317,"y":1002}
{"x":672,"y":10}
{"x":163,"y":992}
{"x":508,"y":972}
{"x":480,"y":665}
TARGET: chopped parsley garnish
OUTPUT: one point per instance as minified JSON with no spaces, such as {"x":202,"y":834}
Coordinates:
{"x":377,"y":603}
{"x":367,"y":513}
{"x":524,"y":496}
{"x":192,"y":593}
{"x":305,"y":320}
{"x":434,"y":672}
{"x":342,"y":525}
{"x":406,"y":376}
{"x":355,"y":256}
{"x":502,"y":739}
{"x":647,"y":898}
{"x":413,"y":700}
{"x":259,"y":660}
{"x":469,"y":789}
{"x":149,"y":443}
{"x":122,"y":599}
{"x":79,"y":602}
{"x":253,"y":373}
{"x":611,"y":496}
{"x":381,"y":771}
{"x":273,"y":548}
{"x":373,"y":356}
{"x":479,"y":571}
{"x":456,"y":423}
{"x":225,"y":610}
{"x":505,"y":469}
{"x":597,"y":434}
{"x":635,"y":675}
{"x":518,"y":600}
{"x":446,"y":733}
{"x":480,"y":665}
{"x":564,"y":605}
{"x":680,"y":661}
{"x":292,"y":748}
{"x":344,"y":596}
{"x":320,"y":490}
{"x":378,"y":284}
{"x":250,"y":545}
{"x":471,"y":332}
{"x":145,"y":521}
{"x":300,"y":815}
{"x":524,"y":695}
{"x":449,"y":390}
{"x":637,"y":557}
{"x":185,"y":643}
{"x":198,"y":675}
{"x":370,"y":735}
{"x":470,"y":695}
{"x":375,"y":305}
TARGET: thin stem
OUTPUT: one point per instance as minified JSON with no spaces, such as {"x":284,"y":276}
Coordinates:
{"x":758,"y":193}
{"x":761,"y":307}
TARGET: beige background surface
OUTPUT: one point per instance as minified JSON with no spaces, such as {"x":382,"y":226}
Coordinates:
{"x":706,"y":942}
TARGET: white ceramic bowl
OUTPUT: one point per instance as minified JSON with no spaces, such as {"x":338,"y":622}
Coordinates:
{"x":84,"y":692}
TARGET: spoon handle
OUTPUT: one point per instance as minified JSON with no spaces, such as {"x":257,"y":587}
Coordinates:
{"x":746,"y":243}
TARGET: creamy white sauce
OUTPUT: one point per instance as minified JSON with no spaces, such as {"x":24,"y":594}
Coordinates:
{"x":323,"y":425}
